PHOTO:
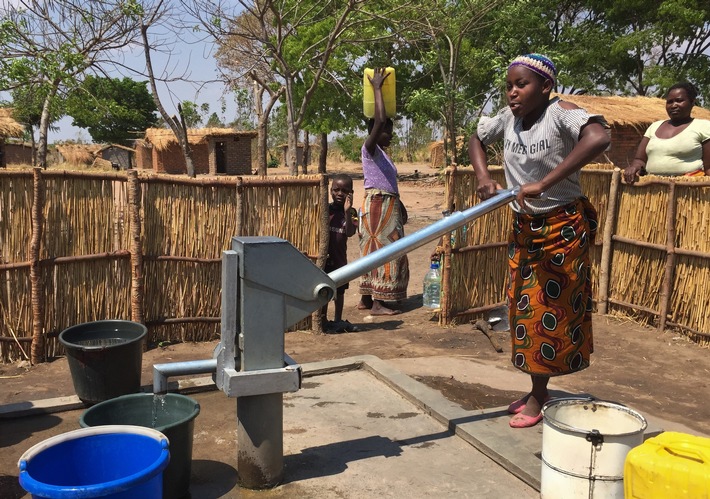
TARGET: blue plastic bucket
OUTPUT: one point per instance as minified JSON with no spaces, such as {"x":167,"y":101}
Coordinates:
{"x":119,"y":462}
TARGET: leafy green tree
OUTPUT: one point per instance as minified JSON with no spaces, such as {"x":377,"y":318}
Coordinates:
{"x":50,"y":44}
{"x":112,"y":109}
{"x":297,"y":40}
{"x":194,"y":113}
{"x":27,"y":103}
{"x":214,"y":121}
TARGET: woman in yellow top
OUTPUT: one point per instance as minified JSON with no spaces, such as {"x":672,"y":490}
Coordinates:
{"x":677,"y":146}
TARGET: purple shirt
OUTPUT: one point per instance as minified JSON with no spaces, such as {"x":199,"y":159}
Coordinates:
{"x":379,"y":171}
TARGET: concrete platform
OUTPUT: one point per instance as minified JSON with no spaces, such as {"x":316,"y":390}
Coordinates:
{"x":359,"y":427}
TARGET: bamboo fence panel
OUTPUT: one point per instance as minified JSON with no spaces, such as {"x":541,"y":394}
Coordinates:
{"x":671,"y":214}
{"x":290,"y":212}
{"x":691,"y":296}
{"x":84,"y":291}
{"x":186,"y":220}
{"x":595,"y":185}
{"x":86,"y":275}
{"x":84,"y":212}
{"x":692,"y":217}
{"x":636,"y":277}
{"x":642,"y":212}
{"x":15,"y":315}
{"x":475,"y":257}
{"x":80,"y":246}
{"x":16,"y":192}
{"x":15,"y":217}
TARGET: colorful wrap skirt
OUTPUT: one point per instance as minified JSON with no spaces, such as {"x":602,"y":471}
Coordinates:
{"x":550,"y":289}
{"x":380,"y":225}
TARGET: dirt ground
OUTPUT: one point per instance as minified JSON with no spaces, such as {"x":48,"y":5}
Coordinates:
{"x":660,"y":374}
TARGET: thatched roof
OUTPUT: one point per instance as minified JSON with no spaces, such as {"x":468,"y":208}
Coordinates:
{"x":116,"y":146}
{"x":162,"y":138}
{"x":78,"y":154}
{"x":8,"y":126}
{"x":634,"y":111}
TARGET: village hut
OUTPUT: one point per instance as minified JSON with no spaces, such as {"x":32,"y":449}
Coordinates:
{"x":120,"y":157}
{"x":215,"y":151}
{"x":436,"y":154}
{"x":144,"y":155}
{"x":8,"y":128}
{"x":17,"y":153}
{"x":628,"y":118}
{"x":78,"y":154}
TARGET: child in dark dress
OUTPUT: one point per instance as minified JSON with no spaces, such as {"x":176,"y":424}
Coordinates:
{"x":343,"y":224}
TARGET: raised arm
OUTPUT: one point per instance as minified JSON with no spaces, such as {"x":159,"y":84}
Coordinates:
{"x":380,"y":117}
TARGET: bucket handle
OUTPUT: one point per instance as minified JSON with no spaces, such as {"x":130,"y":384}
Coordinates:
{"x":687,"y":451}
{"x":596,"y":438}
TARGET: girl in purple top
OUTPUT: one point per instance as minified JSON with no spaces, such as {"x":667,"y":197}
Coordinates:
{"x":382,"y":213}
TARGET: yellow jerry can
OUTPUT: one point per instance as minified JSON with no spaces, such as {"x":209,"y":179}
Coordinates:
{"x":389,"y":93}
{"x":672,"y":464}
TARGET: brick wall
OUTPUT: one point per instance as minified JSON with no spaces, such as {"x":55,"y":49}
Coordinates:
{"x":17,"y":154}
{"x":624,"y":142}
{"x":144,"y":156}
{"x":238,"y":155}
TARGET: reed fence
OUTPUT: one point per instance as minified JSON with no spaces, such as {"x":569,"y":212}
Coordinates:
{"x":651,"y":256}
{"x":79,"y":246}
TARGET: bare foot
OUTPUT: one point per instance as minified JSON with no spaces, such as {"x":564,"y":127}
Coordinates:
{"x":365,"y":303}
{"x":378,"y":308}
{"x":533,"y":406}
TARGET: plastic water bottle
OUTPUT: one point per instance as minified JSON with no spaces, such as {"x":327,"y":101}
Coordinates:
{"x":431,"y":294}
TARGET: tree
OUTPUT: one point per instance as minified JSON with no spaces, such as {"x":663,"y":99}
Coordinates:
{"x":241,"y":56}
{"x":444,"y":36}
{"x":112,"y":109}
{"x":297,"y":38}
{"x":27,"y":103}
{"x":50,"y":45}
{"x":214,"y":121}
{"x":194,"y":114}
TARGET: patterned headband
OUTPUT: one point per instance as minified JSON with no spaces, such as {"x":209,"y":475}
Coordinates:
{"x":537,"y":63}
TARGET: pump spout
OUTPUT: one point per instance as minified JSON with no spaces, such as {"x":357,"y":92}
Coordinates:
{"x":161,"y":372}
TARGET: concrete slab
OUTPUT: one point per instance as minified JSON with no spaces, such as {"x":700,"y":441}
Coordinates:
{"x":358,"y":427}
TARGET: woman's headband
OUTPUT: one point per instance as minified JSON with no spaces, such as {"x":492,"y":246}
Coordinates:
{"x":537,"y":63}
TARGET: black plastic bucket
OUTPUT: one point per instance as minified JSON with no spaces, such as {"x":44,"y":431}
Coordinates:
{"x":171,"y":414}
{"x":104,"y":358}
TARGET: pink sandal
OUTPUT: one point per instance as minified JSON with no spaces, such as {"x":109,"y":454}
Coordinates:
{"x":518,"y":405}
{"x":523,"y":421}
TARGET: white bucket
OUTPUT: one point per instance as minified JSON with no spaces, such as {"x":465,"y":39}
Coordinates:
{"x":584,"y":445}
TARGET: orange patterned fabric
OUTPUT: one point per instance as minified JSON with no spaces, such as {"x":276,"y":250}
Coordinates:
{"x":549,"y":293}
{"x":380,"y":225}
{"x":696,"y":173}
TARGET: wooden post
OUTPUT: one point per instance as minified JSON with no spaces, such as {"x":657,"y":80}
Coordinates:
{"x":37,"y":350}
{"x":665,"y":295}
{"x":609,"y":228}
{"x":240,"y":209}
{"x":445,"y":305}
{"x":137,"y":275}
{"x":323,"y":240}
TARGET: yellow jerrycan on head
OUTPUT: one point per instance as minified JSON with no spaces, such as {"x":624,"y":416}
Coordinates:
{"x":389,"y":92}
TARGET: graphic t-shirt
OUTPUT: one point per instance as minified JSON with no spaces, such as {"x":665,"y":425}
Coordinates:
{"x":529,"y":155}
